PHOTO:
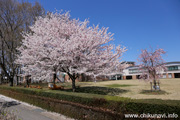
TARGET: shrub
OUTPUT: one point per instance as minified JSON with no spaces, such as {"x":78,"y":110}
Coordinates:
{"x":88,"y":105}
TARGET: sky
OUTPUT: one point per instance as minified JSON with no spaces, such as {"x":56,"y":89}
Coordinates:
{"x":136,"y":24}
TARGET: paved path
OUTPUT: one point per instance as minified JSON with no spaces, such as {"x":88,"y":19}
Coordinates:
{"x":26,"y":111}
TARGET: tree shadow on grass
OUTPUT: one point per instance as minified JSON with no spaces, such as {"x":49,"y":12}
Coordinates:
{"x":154,"y":92}
{"x":99,"y":90}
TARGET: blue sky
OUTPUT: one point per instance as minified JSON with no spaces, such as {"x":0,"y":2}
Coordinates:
{"x":136,"y":24}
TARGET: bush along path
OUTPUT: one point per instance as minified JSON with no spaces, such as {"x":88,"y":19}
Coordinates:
{"x":90,"y":106}
{"x":12,"y":109}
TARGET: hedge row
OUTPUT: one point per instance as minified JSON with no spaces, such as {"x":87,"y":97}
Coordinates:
{"x":90,"y":106}
{"x":73,"y":110}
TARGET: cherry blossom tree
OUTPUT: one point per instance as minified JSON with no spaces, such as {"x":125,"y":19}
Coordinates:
{"x":60,"y":43}
{"x":152,"y":65}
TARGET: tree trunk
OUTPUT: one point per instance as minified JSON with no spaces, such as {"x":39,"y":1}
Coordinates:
{"x":73,"y":78}
{"x":54,"y":78}
{"x":1,"y":79}
{"x":73,"y":85}
{"x":17,"y":81}
{"x":155,"y":84}
{"x":27,"y":81}
{"x":151,"y":86}
{"x":11,"y":82}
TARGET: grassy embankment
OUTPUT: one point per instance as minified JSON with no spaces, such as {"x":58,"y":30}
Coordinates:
{"x":101,"y":98}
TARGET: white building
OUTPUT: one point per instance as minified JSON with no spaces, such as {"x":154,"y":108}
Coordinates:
{"x":132,"y":72}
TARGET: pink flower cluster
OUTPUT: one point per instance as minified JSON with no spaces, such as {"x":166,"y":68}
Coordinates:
{"x":151,"y":64}
{"x":59,"y":43}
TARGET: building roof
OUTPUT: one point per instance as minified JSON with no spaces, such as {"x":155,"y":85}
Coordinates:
{"x":175,"y":63}
{"x":172,"y":63}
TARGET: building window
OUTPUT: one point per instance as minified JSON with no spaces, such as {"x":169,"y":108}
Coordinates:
{"x":171,"y":68}
{"x":115,"y":77}
{"x":133,"y":71}
{"x":164,"y":75}
{"x":128,"y":77}
{"x":169,"y":75}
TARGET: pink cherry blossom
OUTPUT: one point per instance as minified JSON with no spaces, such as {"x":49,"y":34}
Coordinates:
{"x":152,"y":65}
{"x":60,"y":43}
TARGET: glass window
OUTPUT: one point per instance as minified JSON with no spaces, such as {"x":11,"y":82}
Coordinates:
{"x":170,"y":75}
{"x":164,"y":75}
{"x":132,"y":71}
{"x":171,"y":68}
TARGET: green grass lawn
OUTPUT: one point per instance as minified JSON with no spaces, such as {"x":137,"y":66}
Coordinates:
{"x":139,"y":89}
{"x":136,"y":89}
